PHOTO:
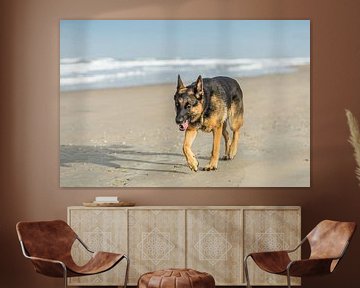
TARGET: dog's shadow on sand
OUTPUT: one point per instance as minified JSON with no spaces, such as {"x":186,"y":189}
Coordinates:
{"x":120,"y":156}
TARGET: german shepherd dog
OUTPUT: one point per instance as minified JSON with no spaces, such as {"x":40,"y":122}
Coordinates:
{"x":209,"y":104}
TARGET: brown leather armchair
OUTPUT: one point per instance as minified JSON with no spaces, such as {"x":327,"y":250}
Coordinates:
{"x":48,"y":245}
{"x":328,"y":242}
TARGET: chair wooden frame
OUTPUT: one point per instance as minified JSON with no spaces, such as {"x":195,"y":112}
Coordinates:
{"x":58,"y":268}
{"x":315,"y":265}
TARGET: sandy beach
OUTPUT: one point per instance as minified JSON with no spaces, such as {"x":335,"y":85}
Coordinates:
{"x":127,"y":137}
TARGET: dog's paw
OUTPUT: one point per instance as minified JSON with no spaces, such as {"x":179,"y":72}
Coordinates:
{"x":232,"y":156}
{"x":193,"y":165}
{"x":209,"y":167}
{"x":192,"y":168}
{"x":228,"y":157}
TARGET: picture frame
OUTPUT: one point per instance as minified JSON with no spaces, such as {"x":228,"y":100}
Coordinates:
{"x":118,"y":85}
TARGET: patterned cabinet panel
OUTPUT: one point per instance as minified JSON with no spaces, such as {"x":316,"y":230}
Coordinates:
{"x":156,"y":240}
{"x":267,"y":230}
{"x":101,"y":230}
{"x":214,"y":244}
{"x":210,"y":239}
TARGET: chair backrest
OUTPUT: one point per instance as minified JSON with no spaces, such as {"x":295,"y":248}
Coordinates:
{"x":46,"y":239}
{"x":329,"y":239}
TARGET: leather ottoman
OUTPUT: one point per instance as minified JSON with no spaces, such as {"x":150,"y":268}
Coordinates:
{"x":176,"y":278}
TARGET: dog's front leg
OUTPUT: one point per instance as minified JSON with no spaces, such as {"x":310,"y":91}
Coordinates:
{"x":217,"y":132}
{"x":190,"y":135}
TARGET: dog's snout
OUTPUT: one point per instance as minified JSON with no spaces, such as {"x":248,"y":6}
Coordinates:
{"x":179,"y":119}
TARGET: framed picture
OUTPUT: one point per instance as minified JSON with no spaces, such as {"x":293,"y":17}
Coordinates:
{"x":184,"y":103}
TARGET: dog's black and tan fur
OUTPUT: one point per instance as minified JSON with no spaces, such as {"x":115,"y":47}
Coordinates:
{"x":209,"y":104}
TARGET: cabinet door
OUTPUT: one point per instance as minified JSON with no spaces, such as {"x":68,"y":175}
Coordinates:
{"x":101,"y":230}
{"x":214,"y":244}
{"x":270,"y":230}
{"x":156,"y":240}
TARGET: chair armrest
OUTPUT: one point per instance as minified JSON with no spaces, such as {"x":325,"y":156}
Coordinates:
{"x":298,"y":246}
{"x":268,"y":253}
{"x":309,"y":267}
{"x":48,"y":267}
{"x":281,"y":251}
{"x":84,"y":245}
{"x":45,"y":260}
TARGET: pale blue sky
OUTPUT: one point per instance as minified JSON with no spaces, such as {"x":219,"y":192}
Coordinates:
{"x":131,"y":39}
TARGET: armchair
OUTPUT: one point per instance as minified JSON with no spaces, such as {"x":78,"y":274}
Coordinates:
{"x":328,"y":242}
{"x":48,"y":245}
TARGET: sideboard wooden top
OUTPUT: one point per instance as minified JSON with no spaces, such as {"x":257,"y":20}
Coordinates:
{"x":193,"y":207}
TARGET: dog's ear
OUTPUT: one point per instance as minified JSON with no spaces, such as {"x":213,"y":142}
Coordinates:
{"x":199,"y":88}
{"x":180,"y":84}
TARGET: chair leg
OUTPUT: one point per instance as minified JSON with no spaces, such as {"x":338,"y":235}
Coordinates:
{"x":127,"y":271}
{"x":65,"y":276}
{"x":288,"y":278}
{"x":246,"y":272}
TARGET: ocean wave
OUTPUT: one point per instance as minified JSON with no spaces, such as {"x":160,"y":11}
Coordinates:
{"x":69,"y":60}
{"x":77,"y":73}
{"x":97,"y":78}
{"x":74,"y":65}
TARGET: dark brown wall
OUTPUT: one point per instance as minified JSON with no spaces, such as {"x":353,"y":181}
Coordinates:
{"x":29,"y":111}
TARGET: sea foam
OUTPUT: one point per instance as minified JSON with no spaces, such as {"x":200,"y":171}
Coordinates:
{"x":107,"y":72}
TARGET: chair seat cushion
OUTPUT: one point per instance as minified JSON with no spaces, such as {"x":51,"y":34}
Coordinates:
{"x":176,"y":278}
{"x":272,"y":262}
{"x":99,"y":262}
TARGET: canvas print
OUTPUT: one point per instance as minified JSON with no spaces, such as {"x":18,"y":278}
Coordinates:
{"x":184,"y":103}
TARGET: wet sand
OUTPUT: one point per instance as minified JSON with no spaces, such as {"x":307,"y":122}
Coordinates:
{"x":128,"y":138}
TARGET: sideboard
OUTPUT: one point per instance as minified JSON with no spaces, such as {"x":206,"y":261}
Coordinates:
{"x":211,"y":239}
